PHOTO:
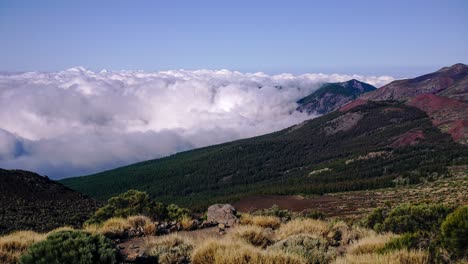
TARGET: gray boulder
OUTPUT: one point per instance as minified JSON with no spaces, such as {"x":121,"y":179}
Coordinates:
{"x":222,"y":214}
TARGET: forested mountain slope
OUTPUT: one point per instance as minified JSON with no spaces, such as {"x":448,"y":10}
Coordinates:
{"x":373,"y":145}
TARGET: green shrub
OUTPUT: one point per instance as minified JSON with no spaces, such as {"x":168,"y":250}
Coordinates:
{"x":407,"y":218}
{"x":71,"y":247}
{"x":311,"y":248}
{"x":175,"y":212}
{"x":454,"y":233}
{"x":418,"y":240}
{"x":130,"y":203}
{"x":314,"y":214}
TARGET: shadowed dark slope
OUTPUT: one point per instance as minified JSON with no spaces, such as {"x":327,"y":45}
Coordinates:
{"x":29,"y":201}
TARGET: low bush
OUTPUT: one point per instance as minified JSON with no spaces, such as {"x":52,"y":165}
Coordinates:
{"x":175,"y":213}
{"x":231,"y":252}
{"x":275,"y":211}
{"x":407,"y":218}
{"x":313,"y":249}
{"x":170,"y":250}
{"x":71,"y":247}
{"x":454,"y":233}
{"x":130,"y":203}
{"x":253,"y":235}
{"x":418,"y":240}
{"x":313,"y":214}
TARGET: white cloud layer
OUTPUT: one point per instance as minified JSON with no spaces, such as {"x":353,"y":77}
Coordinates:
{"x":76,"y":121}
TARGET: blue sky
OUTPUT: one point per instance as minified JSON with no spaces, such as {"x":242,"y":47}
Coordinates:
{"x":400,"y":38}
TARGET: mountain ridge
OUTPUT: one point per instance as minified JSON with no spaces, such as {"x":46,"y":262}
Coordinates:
{"x":331,"y":96}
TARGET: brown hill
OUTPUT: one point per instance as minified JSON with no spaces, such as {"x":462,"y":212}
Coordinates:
{"x":443,"y":95}
{"x":450,"y":82}
{"x":29,"y":201}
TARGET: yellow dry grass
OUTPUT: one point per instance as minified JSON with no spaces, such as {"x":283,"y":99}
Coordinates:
{"x":114,"y":227}
{"x":235,"y":252}
{"x":253,"y":235}
{"x":266,"y":221}
{"x":302,"y":226}
{"x":143,"y":222}
{"x":370,"y":244}
{"x":186,"y":222}
{"x":14,"y":244}
{"x":394,"y":257}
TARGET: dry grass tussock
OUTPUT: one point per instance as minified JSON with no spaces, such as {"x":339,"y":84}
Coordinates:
{"x":394,"y":257}
{"x":170,"y":249}
{"x":253,"y":235}
{"x":14,"y":244}
{"x":235,"y":252}
{"x":143,"y":222}
{"x":261,"y":221}
{"x":370,"y":244}
{"x":116,"y":226}
{"x":303,"y":226}
{"x":186,"y":222}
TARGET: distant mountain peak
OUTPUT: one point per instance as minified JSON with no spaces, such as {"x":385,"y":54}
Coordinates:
{"x":456,"y":68}
{"x":331,"y":96}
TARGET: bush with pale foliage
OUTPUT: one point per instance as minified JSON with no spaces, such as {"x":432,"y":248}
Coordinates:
{"x":311,"y":248}
{"x":171,"y":249}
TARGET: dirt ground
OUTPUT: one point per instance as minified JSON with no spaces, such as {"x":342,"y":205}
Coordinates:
{"x":451,"y":190}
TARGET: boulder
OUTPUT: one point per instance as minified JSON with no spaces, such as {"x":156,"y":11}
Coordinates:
{"x":222,"y":214}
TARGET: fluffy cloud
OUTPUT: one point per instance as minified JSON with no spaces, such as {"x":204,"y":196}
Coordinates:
{"x":76,"y":121}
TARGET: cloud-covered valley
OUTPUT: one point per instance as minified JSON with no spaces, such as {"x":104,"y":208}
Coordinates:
{"x":77,"y":122}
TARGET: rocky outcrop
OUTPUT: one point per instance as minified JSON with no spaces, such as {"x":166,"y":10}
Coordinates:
{"x":223,"y":214}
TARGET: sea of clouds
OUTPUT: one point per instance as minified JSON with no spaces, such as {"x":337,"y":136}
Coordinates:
{"x":77,"y":122}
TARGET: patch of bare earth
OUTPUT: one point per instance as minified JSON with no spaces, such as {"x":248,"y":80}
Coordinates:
{"x":453,"y":190}
{"x":343,"y":123}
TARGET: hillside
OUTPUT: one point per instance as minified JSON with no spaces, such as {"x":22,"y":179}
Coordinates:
{"x":450,"y":82}
{"x":372,"y":145}
{"x":443,"y":95}
{"x":29,"y":201}
{"x":332,"y":96}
